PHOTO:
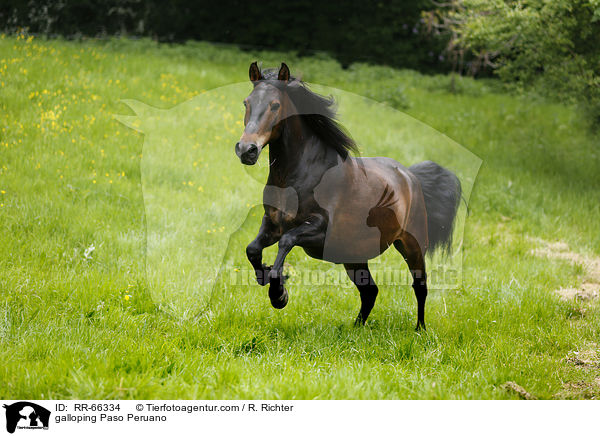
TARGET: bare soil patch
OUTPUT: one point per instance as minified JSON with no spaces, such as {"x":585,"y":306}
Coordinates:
{"x":587,"y":358}
{"x":587,"y":291}
{"x":511,"y":386}
{"x":590,"y":288}
{"x":589,"y":390}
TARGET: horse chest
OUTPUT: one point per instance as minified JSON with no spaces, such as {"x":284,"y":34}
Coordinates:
{"x":281,"y":219}
{"x":282,"y":206}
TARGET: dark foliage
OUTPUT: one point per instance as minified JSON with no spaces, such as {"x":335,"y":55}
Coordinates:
{"x":388,"y":32}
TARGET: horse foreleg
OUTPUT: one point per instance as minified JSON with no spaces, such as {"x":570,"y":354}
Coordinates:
{"x":310,"y":233}
{"x":265,"y":238}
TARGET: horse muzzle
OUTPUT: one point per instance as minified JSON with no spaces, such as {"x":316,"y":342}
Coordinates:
{"x":248,"y":153}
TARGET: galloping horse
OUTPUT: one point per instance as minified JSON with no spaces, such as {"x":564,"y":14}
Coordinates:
{"x":338,"y":208}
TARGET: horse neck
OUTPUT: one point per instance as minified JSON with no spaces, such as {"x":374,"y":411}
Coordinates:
{"x":298,"y":156}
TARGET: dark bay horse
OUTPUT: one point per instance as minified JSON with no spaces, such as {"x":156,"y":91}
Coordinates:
{"x":338,"y":208}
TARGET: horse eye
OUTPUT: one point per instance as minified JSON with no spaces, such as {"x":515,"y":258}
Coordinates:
{"x":245,"y":103}
{"x":275,"y":106}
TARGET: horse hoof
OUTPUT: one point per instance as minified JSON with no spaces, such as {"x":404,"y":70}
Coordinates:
{"x":281,"y":302}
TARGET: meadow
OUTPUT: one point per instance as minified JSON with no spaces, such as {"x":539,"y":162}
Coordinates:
{"x":79,"y":316}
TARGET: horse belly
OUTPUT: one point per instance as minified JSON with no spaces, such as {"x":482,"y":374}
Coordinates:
{"x":358,"y":237}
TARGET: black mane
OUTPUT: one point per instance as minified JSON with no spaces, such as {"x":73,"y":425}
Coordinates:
{"x":318,"y":112}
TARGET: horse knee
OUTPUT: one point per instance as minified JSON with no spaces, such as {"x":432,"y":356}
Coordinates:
{"x":287,"y":242}
{"x":419,"y":276}
{"x":364,"y":278}
{"x":253,"y":250}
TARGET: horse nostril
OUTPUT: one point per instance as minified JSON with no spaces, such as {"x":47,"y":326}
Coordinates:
{"x":248,"y":153}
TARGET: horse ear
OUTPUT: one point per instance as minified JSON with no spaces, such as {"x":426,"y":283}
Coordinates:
{"x":284,"y":72}
{"x":254,"y":73}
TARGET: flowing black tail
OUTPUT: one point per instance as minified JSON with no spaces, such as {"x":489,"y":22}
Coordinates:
{"x":442,"y":191}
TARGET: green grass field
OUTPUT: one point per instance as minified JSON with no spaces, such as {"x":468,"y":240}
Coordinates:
{"x":77,"y":323}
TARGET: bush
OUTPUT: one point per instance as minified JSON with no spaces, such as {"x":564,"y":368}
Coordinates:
{"x":550,"y":46}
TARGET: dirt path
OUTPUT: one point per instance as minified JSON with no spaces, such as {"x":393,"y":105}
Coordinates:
{"x":587,"y":358}
{"x":590,"y":288}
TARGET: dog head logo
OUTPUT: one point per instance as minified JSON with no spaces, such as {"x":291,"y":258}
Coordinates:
{"x":26,"y":415}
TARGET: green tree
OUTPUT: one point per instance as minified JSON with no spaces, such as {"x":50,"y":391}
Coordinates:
{"x":551,"y":45}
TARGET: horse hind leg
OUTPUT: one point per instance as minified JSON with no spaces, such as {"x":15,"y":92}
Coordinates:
{"x":414,"y":257}
{"x":363,"y":280}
